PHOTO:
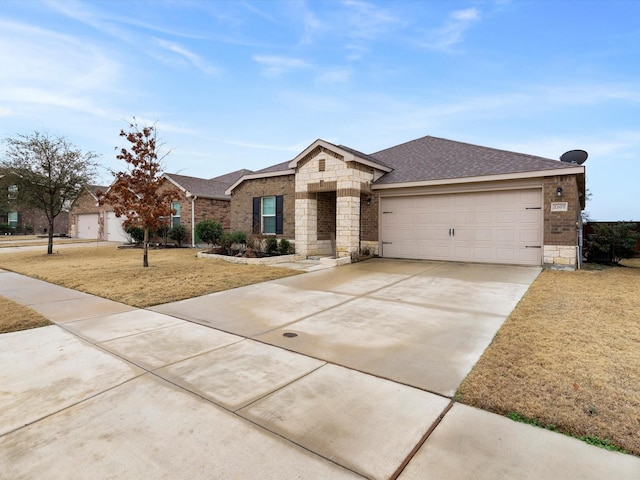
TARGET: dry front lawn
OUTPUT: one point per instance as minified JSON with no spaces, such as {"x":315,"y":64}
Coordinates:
{"x":569,"y":356}
{"x":117,"y":274}
{"x":15,"y":317}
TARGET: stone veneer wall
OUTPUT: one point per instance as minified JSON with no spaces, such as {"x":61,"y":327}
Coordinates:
{"x":242,"y":203}
{"x":561,"y":228}
{"x":320,"y":171}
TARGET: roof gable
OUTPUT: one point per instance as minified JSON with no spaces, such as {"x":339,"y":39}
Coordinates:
{"x":343,"y":153}
{"x":200,"y":187}
{"x":431,"y":158}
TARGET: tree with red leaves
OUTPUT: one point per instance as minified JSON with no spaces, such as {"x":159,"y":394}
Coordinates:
{"x":137,"y":193}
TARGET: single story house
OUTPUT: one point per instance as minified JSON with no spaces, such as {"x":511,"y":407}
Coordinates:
{"x":91,"y":221}
{"x":429,"y":198}
{"x":202,"y":199}
{"x":198,"y":199}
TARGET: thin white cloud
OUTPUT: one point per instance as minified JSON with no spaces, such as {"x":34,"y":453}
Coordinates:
{"x":192,"y":58}
{"x":335,"y":75}
{"x":5,"y":112}
{"x":451,"y":33}
{"x":275,"y":66}
{"x":366,"y":20}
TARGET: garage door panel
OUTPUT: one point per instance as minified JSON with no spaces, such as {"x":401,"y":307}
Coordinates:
{"x":494,"y":227}
{"x":87,"y":226}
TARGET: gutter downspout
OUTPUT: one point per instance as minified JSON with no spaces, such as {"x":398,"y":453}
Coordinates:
{"x":193,"y":221}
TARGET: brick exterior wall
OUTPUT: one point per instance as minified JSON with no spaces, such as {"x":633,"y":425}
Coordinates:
{"x":369,"y":217}
{"x":242,"y":202}
{"x":560,"y":227}
{"x":38,"y":220}
{"x":326,"y":215}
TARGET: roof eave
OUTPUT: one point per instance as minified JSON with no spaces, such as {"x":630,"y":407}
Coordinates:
{"x":484,"y":178}
{"x":348,"y":156}
{"x":254,"y":176}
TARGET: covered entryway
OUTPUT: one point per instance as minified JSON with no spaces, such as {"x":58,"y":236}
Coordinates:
{"x":87,"y":226}
{"x":487,"y":227}
{"x":114,"y":230}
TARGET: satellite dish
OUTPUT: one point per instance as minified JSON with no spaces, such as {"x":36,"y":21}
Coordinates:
{"x":574,"y":156}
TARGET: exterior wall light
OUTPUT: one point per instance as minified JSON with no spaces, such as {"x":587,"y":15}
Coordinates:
{"x":369,"y":199}
{"x":559,"y":192}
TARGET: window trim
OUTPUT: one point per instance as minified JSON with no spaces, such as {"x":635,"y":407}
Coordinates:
{"x":177,"y":215}
{"x":264,"y":215}
{"x":13,"y":192}
{"x":258,"y":222}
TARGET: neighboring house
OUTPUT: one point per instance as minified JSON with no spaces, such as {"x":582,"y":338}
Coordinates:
{"x":92,"y":221}
{"x":202,"y":199}
{"x":429,"y":198}
{"x":26,"y":220}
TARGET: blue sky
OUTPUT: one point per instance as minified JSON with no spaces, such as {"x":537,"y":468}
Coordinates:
{"x":246,"y":84}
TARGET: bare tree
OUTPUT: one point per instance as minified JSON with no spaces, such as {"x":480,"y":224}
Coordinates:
{"x":49,"y":172}
{"x":139,"y":193}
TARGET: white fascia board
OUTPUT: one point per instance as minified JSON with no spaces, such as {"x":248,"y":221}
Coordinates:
{"x":253,"y":176}
{"x":485,"y":178}
{"x":348,"y":156}
{"x":186,"y":192}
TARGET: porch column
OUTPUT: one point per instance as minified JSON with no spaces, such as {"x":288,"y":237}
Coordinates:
{"x":347,"y":222}
{"x":306,"y":223}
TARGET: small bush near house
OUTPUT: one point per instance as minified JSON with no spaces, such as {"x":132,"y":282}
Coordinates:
{"x":209,"y":231}
{"x":271,"y":246}
{"x":163,"y":233}
{"x":611,"y":243}
{"x":178,"y":234}
{"x":239,"y":237}
{"x":136,"y":234}
{"x":285,"y":246}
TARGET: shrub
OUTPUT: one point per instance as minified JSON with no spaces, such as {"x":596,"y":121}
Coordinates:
{"x":284,"y":247}
{"x":239,"y":237}
{"x":271,"y":245}
{"x":178,"y":234}
{"x":163,"y":233}
{"x":136,"y":234}
{"x":209,"y":231}
{"x":611,"y":243}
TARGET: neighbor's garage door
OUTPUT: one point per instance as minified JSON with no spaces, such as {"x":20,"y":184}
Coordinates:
{"x":88,"y":226}
{"x":490,"y":227}
{"x":115,"y":232}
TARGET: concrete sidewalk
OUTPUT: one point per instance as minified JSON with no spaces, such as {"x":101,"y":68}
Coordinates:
{"x":117,"y":392}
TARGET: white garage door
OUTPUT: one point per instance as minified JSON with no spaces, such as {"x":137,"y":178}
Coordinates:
{"x":490,"y":227}
{"x":87,"y":226}
{"x":114,"y":230}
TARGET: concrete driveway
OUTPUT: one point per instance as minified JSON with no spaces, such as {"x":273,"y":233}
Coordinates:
{"x":362,"y":391}
{"x":423,"y":324}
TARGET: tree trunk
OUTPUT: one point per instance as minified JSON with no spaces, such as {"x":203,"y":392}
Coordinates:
{"x":50,"y":245}
{"x":145,"y":257}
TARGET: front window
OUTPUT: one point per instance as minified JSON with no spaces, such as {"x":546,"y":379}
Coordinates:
{"x":269,"y":215}
{"x":175,"y":217}
{"x":12,"y":219}
{"x":13,"y":192}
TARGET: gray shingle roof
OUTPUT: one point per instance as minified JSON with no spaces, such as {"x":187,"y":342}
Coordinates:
{"x":432,"y":158}
{"x":200,"y":186}
{"x":231,"y":178}
{"x":275,"y":168}
{"x":363,"y":155}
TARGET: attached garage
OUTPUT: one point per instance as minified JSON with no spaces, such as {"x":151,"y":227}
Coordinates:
{"x":488,"y":227}
{"x":114,"y":229}
{"x":87,"y":226}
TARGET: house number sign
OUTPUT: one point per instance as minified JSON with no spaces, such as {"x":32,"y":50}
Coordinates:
{"x":560,"y":207}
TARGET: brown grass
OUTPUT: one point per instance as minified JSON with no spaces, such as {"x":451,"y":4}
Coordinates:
{"x":569,"y":355}
{"x":117,"y":274}
{"x":15,"y":317}
{"x":34,"y":241}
